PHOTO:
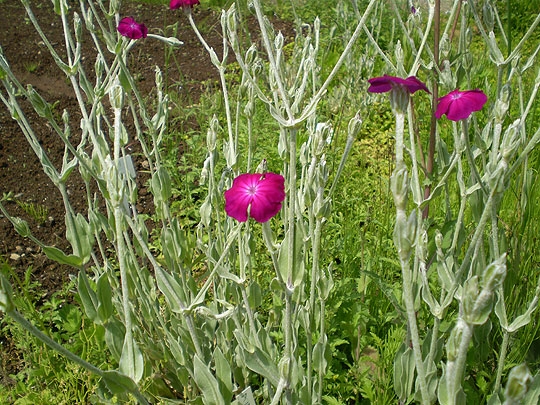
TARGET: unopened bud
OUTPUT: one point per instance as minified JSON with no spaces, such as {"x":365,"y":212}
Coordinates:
{"x":518,"y":384}
{"x":355,"y":124}
{"x":399,"y":184}
{"x":116,"y":96}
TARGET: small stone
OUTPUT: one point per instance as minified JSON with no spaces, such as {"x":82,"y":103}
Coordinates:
{"x":15,"y":257}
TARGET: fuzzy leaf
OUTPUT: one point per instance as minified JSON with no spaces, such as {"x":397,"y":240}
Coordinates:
{"x":207,"y":383}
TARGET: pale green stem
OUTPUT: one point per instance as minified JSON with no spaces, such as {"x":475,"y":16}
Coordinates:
{"x":400,"y":128}
{"x":344,"y":156}
{"x":456,"y":368}
{"x":416,"y":64}
{"x":291,"y":256}
{"x":315,"y":252}
{"x":408,"y":299}
{"x":406,"y":271}
{"x":274,"y":67}
{"x":321,"y":371}
{"x":221,"y":69}
{"x":470,"y":157}
{"x":502,"y":359}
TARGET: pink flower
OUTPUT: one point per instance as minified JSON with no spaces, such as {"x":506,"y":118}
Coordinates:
{"x":386,"y":83}
{"x":458,"y":105}
{"x":128,"y":27}
{"x":256,"y":195}
{"x":174,"y":4}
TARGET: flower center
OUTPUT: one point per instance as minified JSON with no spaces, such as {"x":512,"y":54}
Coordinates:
{"x":252,"y":190}
{"x":455,"y":96}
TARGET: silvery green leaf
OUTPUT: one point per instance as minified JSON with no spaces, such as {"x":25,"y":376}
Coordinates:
{"x":42,"y":107}
{"x":171,"y":289}
{"x":21,"y":226}
{"x":207,"y":383}
{"x":118,"y":383}
{"x":320,"y":355}
{"x":259,"y":362}
{"x":525,"y":318}
{"x":131,"y":361}
{"x":114,"y":337}
{"x":58,"y":256}
{"x":88,"y":296}
{"x":104,"y":295}
{"x":223,"y":374}
{"x":171,"y":41}
{"x":161,"y":185}
{"x":297,"y":268}
{"x":495,"y":53}
{"x":404,"y":367}
{"x":500,"y":311}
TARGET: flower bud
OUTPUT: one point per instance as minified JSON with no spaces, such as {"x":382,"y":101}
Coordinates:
{"x":445,"y":46}
{"x":116,"y":96}
{"x":398,"y":52}
{"x":355,"y":124}
{"x":494,"y":274}
{"x":488,"y":16}
{"x":278,"y":42}
{"x":211,"y":134}
{"x":511,"y":140}
{"x":503,"y":102}
{"x":518,"y":383}
{"x":454,"y":340}
{"x":399,"y":184}
{"x":77,"y":25}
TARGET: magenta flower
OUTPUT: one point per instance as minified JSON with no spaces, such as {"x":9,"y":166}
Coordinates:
{"x":459,"y":105}
{"x":130,"y":28}
{"x":386,"y":83}
{"x":256,"y":195}
{"x":174,"y":4}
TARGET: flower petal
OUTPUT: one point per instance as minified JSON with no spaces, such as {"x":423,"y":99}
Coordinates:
{"x":379,"y":85}
{"x":267,"y":201}
{"x":459,"y":105}
{"x":238,"y":198}
{"x":385,"y":84}
{"x":129,"y":28}
{"x":261,"y":194}
{"x":174,"y":4}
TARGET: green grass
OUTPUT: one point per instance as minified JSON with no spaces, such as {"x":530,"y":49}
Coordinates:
{"x":46,"y":377}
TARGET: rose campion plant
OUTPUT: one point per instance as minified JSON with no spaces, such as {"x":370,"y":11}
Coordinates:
{"x":130,"y":28}
{"x":257,"y":195}
{"x":459,"y":105}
